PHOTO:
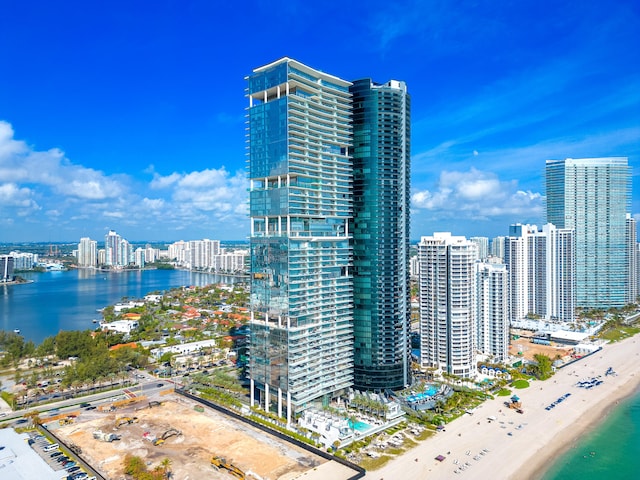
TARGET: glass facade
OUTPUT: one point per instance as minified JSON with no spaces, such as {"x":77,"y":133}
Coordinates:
{"x":592,"y":196}
{"x":301,"y":176}
{"x":381,"y":190}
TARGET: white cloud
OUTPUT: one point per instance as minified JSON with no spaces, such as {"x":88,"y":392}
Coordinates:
{"x":113,"y":214}
{"x":153,"y":204}
{"x":11,"y":195}
{"x":212,"y":190}
{"x":20,"y":163}
{"x":55,"y":193}
{"x":160,"y":182}
{"x":476,"y":195}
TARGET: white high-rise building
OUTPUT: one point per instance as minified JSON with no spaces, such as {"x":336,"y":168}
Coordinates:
{"x":541,"y":268}
{"x":492,"y":297}
{"x":112,"y":248}
{"x":202,"y":253}
{"x":483,"y":246}
{"x":178,"y":251}
{"x":207,"y":255}
{"x":125,"y":253}
{"x":151,"y":254}
{"x":517,"y":250}
{"x":560,"y":273}
{"x":24,"y":260}
{"x":496,"y":249}
{"x":87,"y":252}
{"x":139,"y":257}
{"x":447,"y":304}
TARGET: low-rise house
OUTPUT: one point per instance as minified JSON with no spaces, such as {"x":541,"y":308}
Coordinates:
{"x":120,"y":326}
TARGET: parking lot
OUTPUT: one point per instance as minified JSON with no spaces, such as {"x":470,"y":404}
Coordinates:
{"x":60,"y":461}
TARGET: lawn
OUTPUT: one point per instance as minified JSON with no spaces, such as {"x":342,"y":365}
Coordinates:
{"x":520,"y":384}
{"x":619,"y":333}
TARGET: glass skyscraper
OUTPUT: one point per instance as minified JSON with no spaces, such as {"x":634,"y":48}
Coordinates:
{"x":301,"y":205}
{"x":592,"y":196}
{"x":381,"y":191}
{"x":329,"y":165}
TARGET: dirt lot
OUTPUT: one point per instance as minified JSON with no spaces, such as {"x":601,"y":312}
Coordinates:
{"x":203,"y":435}
{"x":529,"y":349}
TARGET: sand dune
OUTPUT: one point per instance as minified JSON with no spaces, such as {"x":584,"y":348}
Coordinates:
{"x":521,"y":446}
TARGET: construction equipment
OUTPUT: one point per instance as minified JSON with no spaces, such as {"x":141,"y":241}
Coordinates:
{"x":169,"y":433}
{"x":219,"y":462}
{"x":65,"y":421}
{"x":105,"y":437}
{"x":125,"y":421}
{"x":154,"y":403}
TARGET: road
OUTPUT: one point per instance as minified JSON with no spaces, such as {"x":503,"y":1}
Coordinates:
{"x":147,"y":386}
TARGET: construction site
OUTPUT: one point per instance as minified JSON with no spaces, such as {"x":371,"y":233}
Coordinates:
{"x":522,"y":346}
{"x":199,"y":442}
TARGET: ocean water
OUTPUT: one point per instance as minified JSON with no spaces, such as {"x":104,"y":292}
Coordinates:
{"x":611,"y":451}
{"x":69,"y":300}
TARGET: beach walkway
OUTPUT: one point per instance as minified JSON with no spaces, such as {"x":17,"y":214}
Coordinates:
{"x":521,"y":446}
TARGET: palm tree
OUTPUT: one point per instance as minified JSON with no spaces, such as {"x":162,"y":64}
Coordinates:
{"x":34,"y":416}
{"x":76,"y":384}
{"x":165,"y":464}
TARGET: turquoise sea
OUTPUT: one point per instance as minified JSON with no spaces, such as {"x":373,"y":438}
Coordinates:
{"x":69,"y":300}
{"x":611,"y":451}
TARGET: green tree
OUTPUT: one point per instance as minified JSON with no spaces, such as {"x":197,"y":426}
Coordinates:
{"x":166,"y":466}
{"x":544,"y":366}
{"x":46,"y":348}
{"x":134,"y":465}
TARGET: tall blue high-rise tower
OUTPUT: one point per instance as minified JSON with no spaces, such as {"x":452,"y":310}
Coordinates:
{"x":592,"y":196}
{"x":301,"y":203}
{"x":381,"y":192}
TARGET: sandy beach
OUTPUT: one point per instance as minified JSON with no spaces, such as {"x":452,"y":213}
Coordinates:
{"x":521,"y":446}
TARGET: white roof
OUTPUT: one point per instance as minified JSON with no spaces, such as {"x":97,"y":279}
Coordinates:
{"x":18,"y":461}
{"x":567,"y":335}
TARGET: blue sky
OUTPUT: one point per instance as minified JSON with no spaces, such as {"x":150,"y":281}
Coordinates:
{"x":130,"y":115}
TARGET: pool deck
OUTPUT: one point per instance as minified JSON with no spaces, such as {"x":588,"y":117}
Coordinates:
{"x":334,"y":428}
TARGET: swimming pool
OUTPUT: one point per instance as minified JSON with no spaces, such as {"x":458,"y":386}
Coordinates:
{"x":359,"y":426}
{"x":430,"y":391}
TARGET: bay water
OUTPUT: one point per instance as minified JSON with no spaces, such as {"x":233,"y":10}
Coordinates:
{"x":610,"y":451}
{"x":69,"y":300}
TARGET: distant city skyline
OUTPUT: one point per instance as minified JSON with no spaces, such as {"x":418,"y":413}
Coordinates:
{"x":133,"y":119}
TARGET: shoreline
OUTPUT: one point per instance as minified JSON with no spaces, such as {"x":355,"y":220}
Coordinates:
{"x":525,"y":446}
{"x":17,"y":283}
{"x":539,"y":470}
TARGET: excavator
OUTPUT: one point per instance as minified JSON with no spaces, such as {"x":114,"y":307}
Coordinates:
{"x":169,"y":433}
{"x":219,"y":462}
{"x":125,"y":421}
